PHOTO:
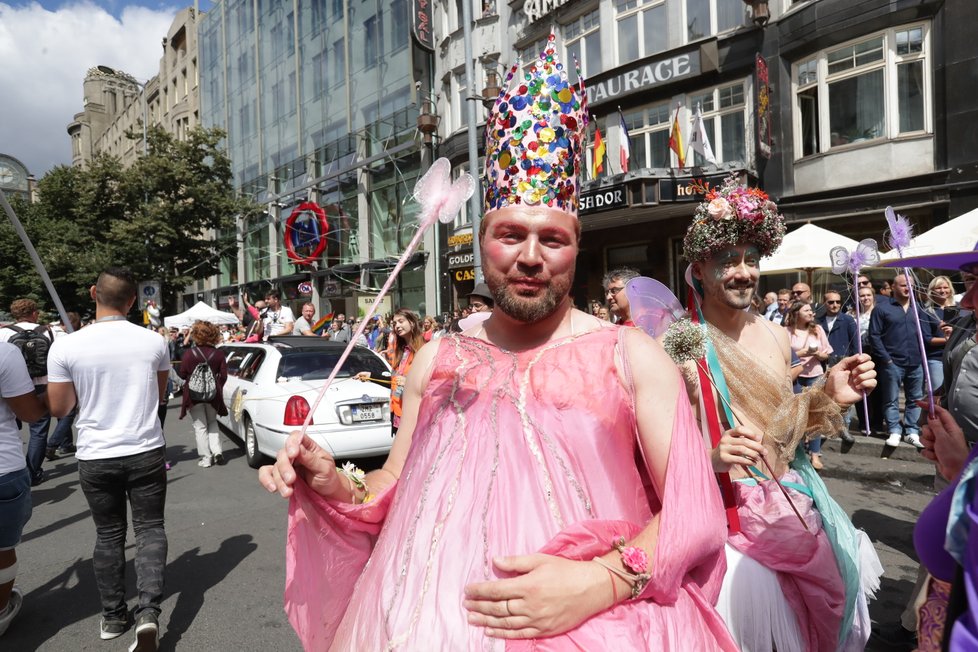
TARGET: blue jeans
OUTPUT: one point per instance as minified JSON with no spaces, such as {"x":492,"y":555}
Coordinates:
{"x":936,"y":369}
{"x":38,"y":443}
{"x":107,"y":484}
{"x":15,"y":506}
{"x":890,"y":377}
{"x":62,"y":435}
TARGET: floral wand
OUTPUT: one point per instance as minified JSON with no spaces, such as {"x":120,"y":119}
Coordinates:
{"x":866,"y":254}
{"x":901,"y":232}
{"x":440,"y":200}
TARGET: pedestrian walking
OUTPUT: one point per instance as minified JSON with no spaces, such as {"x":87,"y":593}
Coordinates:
{"x":61,"y":440}
{"x":116,"y":373}
{"x":204,"y":370}
{"x":893,"y":338}
{"x":17,"y":401}
{"x":34,"y":341}
{"x":810,"y":343}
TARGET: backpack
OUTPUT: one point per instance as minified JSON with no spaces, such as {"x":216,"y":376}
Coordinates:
{"x":202,"y":385}
{"x":34,"y":346}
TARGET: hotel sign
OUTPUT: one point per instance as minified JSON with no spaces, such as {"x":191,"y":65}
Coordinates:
{"x":688,"y":189}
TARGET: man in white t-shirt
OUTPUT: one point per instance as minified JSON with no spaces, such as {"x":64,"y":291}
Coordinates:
{"x":17,"y":401}
{"x":279,"y":319}
{"x":26,"y":313}
{"x":116,"y":372}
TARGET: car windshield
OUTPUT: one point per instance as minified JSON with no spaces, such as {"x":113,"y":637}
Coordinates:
{"x":317,"y":365}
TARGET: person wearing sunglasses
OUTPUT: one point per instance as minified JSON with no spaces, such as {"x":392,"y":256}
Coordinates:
{"x":614,"y":293}
{"x":842,"y":332}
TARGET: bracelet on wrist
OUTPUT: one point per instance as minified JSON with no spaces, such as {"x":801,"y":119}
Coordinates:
{"x":635,"y":563}
{"x":357,"y":479}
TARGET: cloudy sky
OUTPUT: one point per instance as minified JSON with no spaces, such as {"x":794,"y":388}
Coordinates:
{"x":45,"y":49}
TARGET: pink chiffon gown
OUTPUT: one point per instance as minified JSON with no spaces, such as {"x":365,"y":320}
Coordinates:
{"x":513,"y":453}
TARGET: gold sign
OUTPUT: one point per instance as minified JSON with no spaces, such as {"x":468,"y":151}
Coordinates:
{"x":460,"y":240}
{"x":464,"y":274}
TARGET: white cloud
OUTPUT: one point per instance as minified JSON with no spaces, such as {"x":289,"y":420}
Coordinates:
{"x":45,"y":56}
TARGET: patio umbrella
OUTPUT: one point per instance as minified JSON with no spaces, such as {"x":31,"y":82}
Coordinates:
{"x":957,"y":235}
{"x":805,"y":249}
{"x":199,"y":312}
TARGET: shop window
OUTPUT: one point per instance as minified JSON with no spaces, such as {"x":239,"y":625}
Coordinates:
{"x":709,"y":17}
{"x":583,"y":39}
{"x":845,"y":95}
{"x":725,"y":120}
{"x":640,"y":29}
{"x":461,"y":104}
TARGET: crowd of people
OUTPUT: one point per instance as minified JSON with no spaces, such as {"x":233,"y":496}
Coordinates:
{"x":555,"y":478}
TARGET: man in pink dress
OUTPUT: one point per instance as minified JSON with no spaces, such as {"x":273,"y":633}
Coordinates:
{"x":548,"y":488}
{"x":795,"y":580}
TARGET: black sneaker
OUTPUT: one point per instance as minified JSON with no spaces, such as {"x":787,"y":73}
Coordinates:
{"x":37,"y":479}
{"x":111,"y":628}
{"x":147,"y":632}
{"x":67,"y":449}
{"x":51,"y":454}
{"x":219,"y":459}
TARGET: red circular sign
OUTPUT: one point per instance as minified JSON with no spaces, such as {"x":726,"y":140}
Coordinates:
{"x":305,"y":233}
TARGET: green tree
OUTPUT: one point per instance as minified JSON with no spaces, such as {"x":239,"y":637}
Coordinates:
{"x":167,"y":217}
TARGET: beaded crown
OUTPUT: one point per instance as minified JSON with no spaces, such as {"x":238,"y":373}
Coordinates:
{"x":733,"y":214}
{"x":535,"y":138}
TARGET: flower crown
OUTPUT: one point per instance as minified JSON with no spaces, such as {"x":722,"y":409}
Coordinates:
{"x":733,"y":214}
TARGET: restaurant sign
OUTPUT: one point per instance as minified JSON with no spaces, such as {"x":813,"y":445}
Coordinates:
{"x":603,"y":199}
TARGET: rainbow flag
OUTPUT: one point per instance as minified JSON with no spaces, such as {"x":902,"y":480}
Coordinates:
{"x":322,"y":324}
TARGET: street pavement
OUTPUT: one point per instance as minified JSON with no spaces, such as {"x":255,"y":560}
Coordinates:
{"x":226,"y":566}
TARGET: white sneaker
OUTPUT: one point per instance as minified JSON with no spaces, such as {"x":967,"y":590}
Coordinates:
{"x":893,"y":440}
{"x":204,"y":462}
{"x":13,"y":608}
{"x":914,"y":440}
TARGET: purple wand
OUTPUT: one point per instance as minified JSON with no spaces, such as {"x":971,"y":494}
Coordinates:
{"x":865,"y":254}
{"x":901,"y":232}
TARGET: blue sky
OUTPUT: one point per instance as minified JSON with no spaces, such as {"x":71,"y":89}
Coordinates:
{"x":46,"y":48}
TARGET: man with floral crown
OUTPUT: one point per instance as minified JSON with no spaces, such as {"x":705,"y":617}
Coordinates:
{"x":540,"y":494}
{"x":798,"y":571}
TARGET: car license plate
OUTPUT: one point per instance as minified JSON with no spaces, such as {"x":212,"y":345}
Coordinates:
{"x":366,"y":412}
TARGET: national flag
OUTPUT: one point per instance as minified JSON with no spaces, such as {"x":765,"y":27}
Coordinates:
{"x":322,"y":324}
{"x":597,"y":158}
{"x":625,"y":150}
{"x":676,"y":140}
{"x":699,"y":142}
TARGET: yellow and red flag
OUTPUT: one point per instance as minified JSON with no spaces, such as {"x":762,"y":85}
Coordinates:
{"x":597,"y":158}
{"x":676,"y":140}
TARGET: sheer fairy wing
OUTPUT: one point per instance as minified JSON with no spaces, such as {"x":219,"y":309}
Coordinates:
{"x":439,"y":197}
{"x":653,"y":306}
{"x":867,"y":254}
{"x":840,"y":260}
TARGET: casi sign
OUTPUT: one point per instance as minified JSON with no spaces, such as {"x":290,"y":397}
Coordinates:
{"x":604,"y":199}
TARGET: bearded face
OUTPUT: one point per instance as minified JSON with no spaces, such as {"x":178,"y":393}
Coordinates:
{"x":528,"y":258}
{"x":730,"y":277}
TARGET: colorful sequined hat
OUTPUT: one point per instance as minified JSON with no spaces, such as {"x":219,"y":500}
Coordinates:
{"x":535,"y":138}
{"x":733,"y":214}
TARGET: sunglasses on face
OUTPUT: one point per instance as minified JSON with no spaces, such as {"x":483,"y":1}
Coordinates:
{"x":832,"y":303}
{"x":864,"y":283}
{"x":793,"y":292}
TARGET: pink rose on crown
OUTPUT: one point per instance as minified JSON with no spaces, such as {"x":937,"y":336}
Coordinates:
{"x":719,"y":209}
